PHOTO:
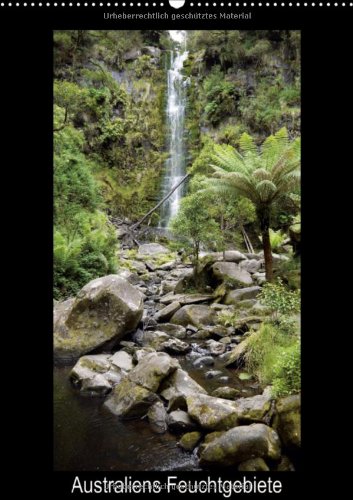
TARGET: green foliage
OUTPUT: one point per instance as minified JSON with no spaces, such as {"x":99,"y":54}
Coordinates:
{"x":287,"y":372}
{"x":276,"y":238}
{"x":279,"y":299}
{"x":228,"y":317}
{"x":274,"y":357}
{"x":220,"y":95}
{"x":84,"y":241}
{"x":194,"y":225}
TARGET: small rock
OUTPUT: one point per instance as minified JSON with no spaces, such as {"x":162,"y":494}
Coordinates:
{"x":213,"y":374}
{"x":215,"y":348}
{"x":176,"y":331}
{"x":203,"y":361}
{"x":190,"y":440}
{"x":157,"y":417}
{"x":122,"y":360}
{"x":175,"y":346}
{"x":225,"y":393}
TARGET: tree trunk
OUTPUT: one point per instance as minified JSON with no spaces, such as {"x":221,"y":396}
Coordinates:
{"x":263,"y":215}
{"x":266,"y":243}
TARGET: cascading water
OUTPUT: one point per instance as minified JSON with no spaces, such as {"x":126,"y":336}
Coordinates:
{"x":175,"y":164}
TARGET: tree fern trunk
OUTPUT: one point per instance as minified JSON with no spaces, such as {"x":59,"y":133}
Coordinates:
{"x":263,"y":215}
{"x":266,"y":243}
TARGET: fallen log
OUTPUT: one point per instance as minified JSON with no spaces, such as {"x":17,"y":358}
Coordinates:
{"x":135,"y":226}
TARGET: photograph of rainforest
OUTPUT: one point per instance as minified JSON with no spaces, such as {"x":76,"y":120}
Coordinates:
{"x":177,"y":245}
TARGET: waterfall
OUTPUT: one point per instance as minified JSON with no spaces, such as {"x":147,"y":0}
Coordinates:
{"x":175,"y":114}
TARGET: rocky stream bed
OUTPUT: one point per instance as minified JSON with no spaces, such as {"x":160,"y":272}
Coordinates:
{"x":147,"y":378}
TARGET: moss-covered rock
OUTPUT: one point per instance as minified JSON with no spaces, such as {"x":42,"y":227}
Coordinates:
{"x":253,"y":465}
{"x":106,"y":309}
{"x":288,"y":421}
{"x":212,"y":413}
{"x":240,"y":444}
{"x":231,"y":272}
{"x":153,"y":369}
{"x":197,"y":315}
{"x":226,"y":393}
{"x":190,"y":440}
{"x":130,"y":400}
{"x":235,"y":296}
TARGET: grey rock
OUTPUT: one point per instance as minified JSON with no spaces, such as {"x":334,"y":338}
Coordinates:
{"x":152,"y":249}
{"x":197,"y":315}
{"x":122,"y":360}
{"x":175,"y":346}
{"x":176,"y":331}
{"x":215,"y":348}
{"x":241,"y":444}
{"x":235,"y":296}
{"x":157,"y":417}
{"x":203,"y":361}
{"x":229,"y":271}
{"x":106,"y":309}
{"x":167,"y":312}
{"x":179,"y":421}
{"x":252,"y":266}
{"x":213,"y":374}
{"x":180,"y":383}
{"x":152,"y":369}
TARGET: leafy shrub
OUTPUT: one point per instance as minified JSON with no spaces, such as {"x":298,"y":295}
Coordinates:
{"x":279,"y":299}
{"x":276,"y":239}
{"x":287,"y":372}
{"x":274,"y":357}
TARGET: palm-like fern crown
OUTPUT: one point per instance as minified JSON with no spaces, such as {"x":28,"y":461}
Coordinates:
{"x":262,"y":175}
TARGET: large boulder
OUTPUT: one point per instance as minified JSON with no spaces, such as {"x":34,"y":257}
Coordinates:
{"x":197,"y":315}
{"x":230,"y":271}
{"x":152,"y":249}
{"x":235,"y":296}
{"x":212,"y":413}
{"x":132,"y":54}
{"x":288,"y":421}
{"x":216,"y":413}
{"x":106,"y":309}
{"x":241,"y":444}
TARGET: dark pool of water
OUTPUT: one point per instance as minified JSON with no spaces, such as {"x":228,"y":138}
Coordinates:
{"x":87,"y":437}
